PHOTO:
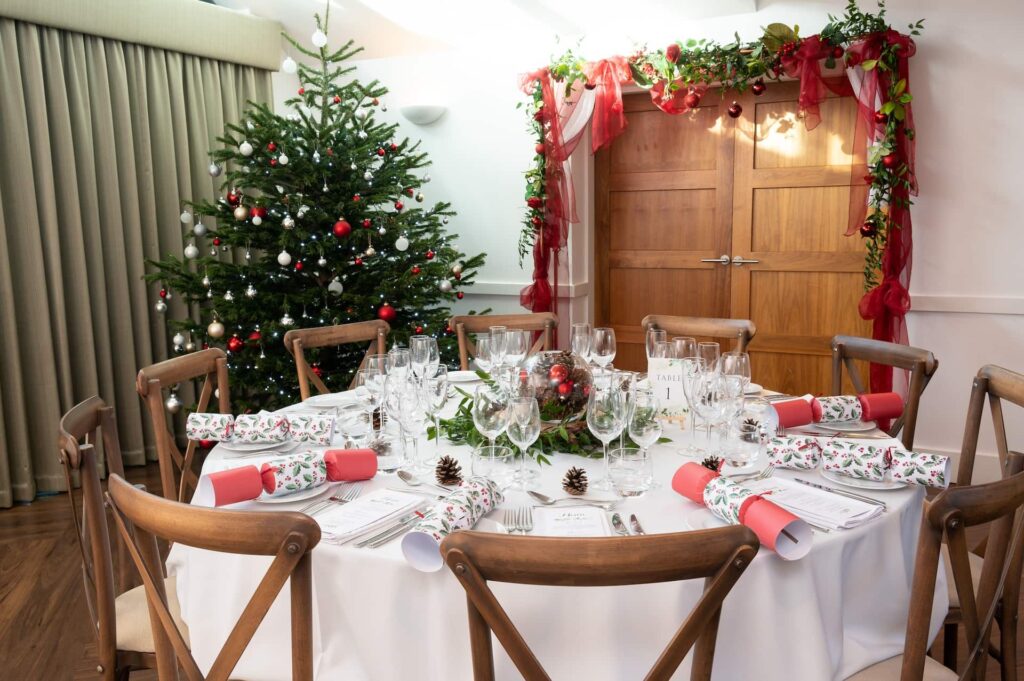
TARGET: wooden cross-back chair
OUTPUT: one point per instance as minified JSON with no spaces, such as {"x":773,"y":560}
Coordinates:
{"x":211,"y":366}
{"x":945,"y":521}
{"x":544,"y":323}
{"x":295,"y":341}
{"x":994,"y":385}
{"x":116,"y":612}
{"x":921,"y":364}
{"x":740,"y":330}
{"x":720,"y":556}
{"x":142,"y":518}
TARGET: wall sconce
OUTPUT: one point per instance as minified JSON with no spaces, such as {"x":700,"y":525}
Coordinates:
{"x":423,"y":114}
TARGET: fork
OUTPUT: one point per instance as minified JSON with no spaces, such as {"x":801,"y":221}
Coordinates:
{"x":526,"y":519}
{"x":350,"y":494}
{"x":754,"y":477}
{"x":511,"y":520}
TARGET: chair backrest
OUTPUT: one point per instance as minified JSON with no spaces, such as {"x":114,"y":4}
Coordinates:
{"x":289,"y":537}
{"x":80,"y":431}
{"x":947,"y":517}
{"x":740,"y":330}
{"x":545,"y":323}
{"x":295,"y":341}
{"x":921,"y":364}
{"x":720,"y":556}
{"x":209,"y":365}
{"x":997,"y":384}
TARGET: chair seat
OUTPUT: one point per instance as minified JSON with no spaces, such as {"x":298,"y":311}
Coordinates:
{"x":133,"y":627}
{"x":975,"y":561}
{"x":889,"y":670}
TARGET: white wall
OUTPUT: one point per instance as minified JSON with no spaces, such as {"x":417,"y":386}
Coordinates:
{"x":968,"y":278}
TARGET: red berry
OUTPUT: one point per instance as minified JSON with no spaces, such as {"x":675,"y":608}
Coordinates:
{"x":302,"y":90}
{"x":380,"y":152}
{"x":342,"y":228}
{"x":539,"y":148}
{"x":298,"y":266}
{"x":890,"y":160}
{"x":869,"y":179}
{"x":366,"y":223}
{"x":430,"y":255}
{"x":271,"y":146}
{"x":534,"y":202}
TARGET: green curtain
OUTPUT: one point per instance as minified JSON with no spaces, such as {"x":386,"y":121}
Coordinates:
{"x":99,"y":142}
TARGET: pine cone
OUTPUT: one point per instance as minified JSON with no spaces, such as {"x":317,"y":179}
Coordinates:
{"x":448,"y":471}
{"x":380,"y":446}
{"x":712,"y":462}
{"x":575,"y":481}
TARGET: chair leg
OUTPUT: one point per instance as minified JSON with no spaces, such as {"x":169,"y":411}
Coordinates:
{"x":949,"y":643}
{"x":124,"y":673}
{"x":1008,"y":646}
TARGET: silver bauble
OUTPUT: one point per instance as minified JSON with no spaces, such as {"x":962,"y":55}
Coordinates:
{"x":426,"y":178}
{"x":160,"y":306}
{"x":190,"y":347}
{"x":206,"y":282}
{"x":419,"y":197}
{"x":445,"y":286}
{"x":316,"y":157}
{"x":444,"y":220}
{"x":191,"y":252}
{"x":367,"y":176}
{"x":185,"y":217}
{"x":179,"y":339}
{"x":288,"y":222}
{"x":282,"y":160}
{"x":250,"y":291}
{"x":382,"y":231}
{"x":215,"y":329}
{"x":215,"y":170}
{"x":287,"y":320}
{"x":229,"y":296}
{"x":199,"y":229}
{"x":362,"y":134}
{"x":322,"y":261}
{"x":257,"y":220}
{"x":401,"y":244}
{"x":248,"y":255}
{"x":245,"y":149}
{"x":335,"y":287}
{"x":371,"y":251}
{"x":173,"y":404}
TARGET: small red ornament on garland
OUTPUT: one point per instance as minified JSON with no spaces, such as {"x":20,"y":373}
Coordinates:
{"x":387,"y":313}
{"x":691,"y":100}
{"x":235,"y":344}
{"x":539,"y":148}
{"x":342,"y":229}
{"x":881,"y":118}
{"x":735,"y":110}
{"x":534,"y":202}
{"x":890,"y":161}
{"x":758,"y":87}
{"x":868,"y":230}
{"x":430,"y":255}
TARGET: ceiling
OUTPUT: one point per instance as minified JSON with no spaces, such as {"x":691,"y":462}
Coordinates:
{"x":391,"y":28}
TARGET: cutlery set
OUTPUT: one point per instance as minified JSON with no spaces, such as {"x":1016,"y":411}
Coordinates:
{"x":621,"y":529}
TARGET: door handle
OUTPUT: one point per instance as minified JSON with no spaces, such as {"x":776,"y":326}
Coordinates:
{"x":739,"y":260}
{"x":724,"y":260}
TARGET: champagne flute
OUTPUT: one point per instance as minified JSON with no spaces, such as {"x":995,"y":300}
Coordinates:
{"x":497,"y":345}
{"x":661,"y":349}
{"x":737,"y":364}
{"x":606,"y":416}
{"x":413,"y":414}
{"x":483,"y":353}
{"x":394,"y":384}
{"x":523,"y":430}
{"x":693,"y":367}
{"x":653,"y":337}
{"x":425,"y":357}
{"x":517,"y":344}
{"x":435,"y":391}
{"x":683,"y":347}
{"x":602,"y":346}
{"x":709,"y":352}
{"x":399,"y":360}
{"x":581,"y":340}
{"x":490,"y":412}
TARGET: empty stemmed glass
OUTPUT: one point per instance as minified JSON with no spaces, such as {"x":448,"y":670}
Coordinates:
{"x":692,"y":368}
{"x":602,"y":346}
{"x":661,"y":349}
{"x":683,"y":347}
{"x":413,"y":415}
{"x":710,"y":398}
{"x":523,"y":430}
{"x":581,"y":339}
{"x":435,"y":393}
{"x":497,"y":345}
{"x":606,"y":416}
{"x":517,"y":344}
{"x":398,"y":361}
{"x":483,"y":352}
{"x":653,"y":337}
{"x":425,"y":355}
{"x":644,"y":423}
{"x":372,"y":378}
{"x":709,"y":352}
{"x":490,"y":411}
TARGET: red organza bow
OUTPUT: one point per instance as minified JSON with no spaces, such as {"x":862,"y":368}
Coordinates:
{"x":609,"y":120}
{"x":805,"y":64}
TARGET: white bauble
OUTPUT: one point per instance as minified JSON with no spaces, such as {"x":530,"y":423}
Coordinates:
{"x":445,"y":286}
{"x":241,"y":213}
{"x":319,"y":38}
{"x":382,"y":231}
{"x":282,"y":159}
{"x":322,"y":262}
{"x":160,"y":306}
{"x":250,"y":291}
{"x":215,"y":329}
{"x":402,"y":244}
{"x":179,"y":339}
{"x":426,"y":178}
{"x":362,"y":134}
{"x":367,"y":176}
{"x":288,"y":222}
{"x":245,"y":149}
{"x":284,"y":258}
{"x":257,"y":220}
{"x":185,"y":217}
{"x":229,"y":296}
{"x":206,"y":282}
{"x":191,"y":252}
{"x":286,"y":320}
{"x":457,"y":268}
{"x":371,"y":251}
{"x":289,"y":65}
{"x":335,"y":287}
{"x":173,"y":404}
{"x":199,"y":229}
{"x":190,"y":347}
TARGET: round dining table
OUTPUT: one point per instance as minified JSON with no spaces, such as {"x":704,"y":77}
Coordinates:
{"x":840,"y":608}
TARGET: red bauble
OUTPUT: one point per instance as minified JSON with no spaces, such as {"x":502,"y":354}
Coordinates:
{"x":302,"y":90}
{"x":234,"y":198}
{"x":359,"y":261}
{"x":415,"y":269}
{"x":163,"y":293}
{"x":317,"y":371}
{"x":735,"y":110}
{"x":356,"y":198}
{"x":565,"y":388}
{"x":206,"y":444}
{"x":255,"y":336}
{"x":868,"y":230}
{"x":394,"y":147}
{"x":273,"y":162}
{"x":337,"y":99}
{"x":458,"y":276}
{"x":536,"y":221}
{"x":235,"y":344}
{"x":419,"y":329}
{"x":410,"y":191}
{"x":430,"y":255}
{"x":342,"y":228}
{"x":881,"y":118}
{"x":216,"y":241}
{"x":298,"y":266}
{"x":387,"y":313}
{"x":271,"y":146}
{"x":838,"y":51}
{"x":459,"y":295}
{"x":258,"y":212}
{"x":380,"y":152}
{"x":534,"y":202}
{"x":890,"y":161}
{"x":869,"y":179}
{"x":758,"y":87}
{"x":539,"y":148}
{"x":399,"y":205}
{"x":558,"y":373}
{"x":447,"y":328}
{"x":691,"y":100}
{"x":366,"y":223}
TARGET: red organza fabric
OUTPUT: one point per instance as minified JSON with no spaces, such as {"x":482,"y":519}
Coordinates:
{"x":805,"y":65}
{"x":609,"y":120}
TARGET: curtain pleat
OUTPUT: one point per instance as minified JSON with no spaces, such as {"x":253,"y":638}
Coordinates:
{"x":101,"y":140}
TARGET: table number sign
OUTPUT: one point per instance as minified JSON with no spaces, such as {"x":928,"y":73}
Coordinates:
{"x":666,"y":378}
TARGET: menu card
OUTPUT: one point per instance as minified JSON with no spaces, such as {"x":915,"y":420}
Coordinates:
{"x":819,"y":507}
{"x":565,"y":521}
{"x":666,"y":378}
{"x":344,"y":521}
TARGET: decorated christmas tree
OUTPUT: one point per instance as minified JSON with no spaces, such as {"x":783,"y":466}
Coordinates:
{"x":323,"y":220}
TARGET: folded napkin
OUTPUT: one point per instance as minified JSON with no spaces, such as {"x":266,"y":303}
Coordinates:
{"x":801,"y":411}
{"x":314,"y":428}
{"x":794,"y":452}
{"x":261,"y":428}
{"x":473,"y":499}
{"x":286,"y":475}
{"x":778,"y":529}
{"x":214,"y":427}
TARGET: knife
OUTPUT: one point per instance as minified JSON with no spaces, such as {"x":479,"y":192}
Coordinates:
{"x":635,"y":524}
{"x":844,"y":493}
{"x":617,"y":523}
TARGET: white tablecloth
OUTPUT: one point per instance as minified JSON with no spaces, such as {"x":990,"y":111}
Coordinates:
{"x":838,"y":610}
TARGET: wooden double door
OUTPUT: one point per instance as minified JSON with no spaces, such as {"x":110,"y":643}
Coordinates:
{"x":704,"y":215}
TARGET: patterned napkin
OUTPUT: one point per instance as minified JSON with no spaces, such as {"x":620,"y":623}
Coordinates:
{"x":215,"y":427}
{"x":460,"y":510}
{"x":794,"y":452}
{"x":840,"y":408}
{"x":314,"y":428}
{"x":259,"y":428}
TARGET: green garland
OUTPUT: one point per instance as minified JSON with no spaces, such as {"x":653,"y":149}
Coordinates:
{"x":736,"y":66}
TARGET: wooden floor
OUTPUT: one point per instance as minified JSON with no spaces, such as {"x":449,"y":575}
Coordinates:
{"x":44,"y":632}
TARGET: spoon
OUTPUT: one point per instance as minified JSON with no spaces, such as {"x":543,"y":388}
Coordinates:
{"x":411,"y":480}
{"x":548,"y":501}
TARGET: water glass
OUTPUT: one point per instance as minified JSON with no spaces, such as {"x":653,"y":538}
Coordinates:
{"x":490,"y":411}
{"x":517,"y":344}
{"x":495,"y":464}
{"x":709,"y":352}
{"x":631,"y":471}
{"x":580,"y":340}
{"x":389,"y":446}
{"x":354,"y":423}
{"x":371,"y":378}
{"x":653,"y":337}
{"x":606,"y":417}
{"x":746,"y":444}
{"x":602,"y":346}
{"x":523,"y":430}
{"x":413,"y":414}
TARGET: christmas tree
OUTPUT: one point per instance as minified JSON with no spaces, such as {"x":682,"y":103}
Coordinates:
{"x":322,"y":222}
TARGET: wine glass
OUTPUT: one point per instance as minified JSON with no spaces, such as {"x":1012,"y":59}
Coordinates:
{"x":371,"y":378}
{"x":483,"y":352}
{"x":644,"y":425}
{"x":606,"y":416}
{"x":490,"y":411}
{"x":399,"y":360}
{"x":602,"y":346}
{"x":709,"y":352}
{"x":498,"y":345}
{"x":413,"y":414}
{"x":379,"y":362}
{"x":661,"y":349}
{"x":425,"y":355}
{"x":523,"y":430}
{"x":683,"y":347}
{"x":710,"y":399}
{"x":517,"y":344}
{"x":653,"y":337}
{"x":394,"y":385}
{"x":435,"y":392}
{"x":580,"y":340}
{"x":736,"y":364}
{"x":693,"y":367}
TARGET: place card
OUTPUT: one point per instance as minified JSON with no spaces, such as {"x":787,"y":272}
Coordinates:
{"x":577,"y":521}
{"x":666,"y":378}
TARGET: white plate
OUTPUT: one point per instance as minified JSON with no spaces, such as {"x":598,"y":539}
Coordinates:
{"x":462,"y":376}
{"x":703,"y":519}
{"x":753,"y":389}
{"x":302,"y":494}
{"x":332,"y":400}
{"x":256,"y":447}
{"x":489,"y":525}
{"x":847,"y":426}
{"x":847,"y":481}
